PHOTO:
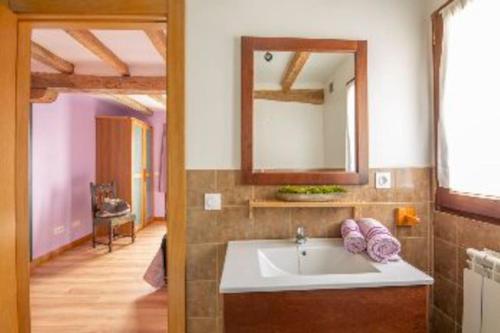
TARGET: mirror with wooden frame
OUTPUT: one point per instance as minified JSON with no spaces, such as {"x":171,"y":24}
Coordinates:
{"x":304,"y":117}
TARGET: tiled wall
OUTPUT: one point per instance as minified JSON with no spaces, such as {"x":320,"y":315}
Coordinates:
{"x":452,"y":235}
{"x":209,"y":231}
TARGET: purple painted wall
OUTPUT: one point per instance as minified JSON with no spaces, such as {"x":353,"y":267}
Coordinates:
{"x":63,"y":165}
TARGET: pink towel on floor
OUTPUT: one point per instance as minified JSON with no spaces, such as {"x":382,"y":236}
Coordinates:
{"x":354,"y":241}
{"x":155,"y":274}
{"x":380,"y":244}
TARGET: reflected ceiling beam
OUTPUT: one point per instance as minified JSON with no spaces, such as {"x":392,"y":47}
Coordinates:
{"x":43,"y":96}
{"x":159,"y":40}
{"x":88,"y":40}
{"x":293,"y":70}
{"x":308,"y":96}
{"x":50,"y":59}
{"x":160,"y":99}
{"x":132,"y":103}
{"x":131,"y":85}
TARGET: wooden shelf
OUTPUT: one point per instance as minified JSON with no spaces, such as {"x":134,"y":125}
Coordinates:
{"x":253,"y":204}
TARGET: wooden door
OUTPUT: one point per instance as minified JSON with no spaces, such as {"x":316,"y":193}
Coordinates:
{"x":142,"y":171}
{"x":148,"y":175}
{"x":138,"y":173}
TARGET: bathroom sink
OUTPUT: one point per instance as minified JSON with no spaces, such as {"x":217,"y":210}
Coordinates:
{"x":321,"y":263}
{"x":311,"y":260}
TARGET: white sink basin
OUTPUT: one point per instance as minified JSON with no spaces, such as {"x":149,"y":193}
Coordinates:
{"x":280,"y":265}
{"x":311,"y":260}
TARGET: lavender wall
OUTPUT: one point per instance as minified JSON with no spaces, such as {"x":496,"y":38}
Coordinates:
{"x":63,"y":165}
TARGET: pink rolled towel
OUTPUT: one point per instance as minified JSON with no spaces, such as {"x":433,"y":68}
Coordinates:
{"x":380,"y":244}
{"x":354,"y":241}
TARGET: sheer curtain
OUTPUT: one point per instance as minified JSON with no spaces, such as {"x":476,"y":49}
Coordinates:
{"x":351,"y":127}
{"x":469,"y":127}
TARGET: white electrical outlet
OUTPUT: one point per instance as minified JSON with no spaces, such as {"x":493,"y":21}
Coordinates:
{"x":383,"y":180}
{"x":58,"y":230}
{"x":213,"y":201}
{"x":76,"y":223}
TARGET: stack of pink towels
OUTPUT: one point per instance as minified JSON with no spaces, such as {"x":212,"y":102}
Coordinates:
{"x":354,"y":241}
{"x":371,"y":235}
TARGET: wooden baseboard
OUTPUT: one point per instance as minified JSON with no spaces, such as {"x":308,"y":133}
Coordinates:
{"x":57,"y":252}
{"x":159,"y":219}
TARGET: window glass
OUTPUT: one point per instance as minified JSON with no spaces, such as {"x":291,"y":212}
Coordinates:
{"x":469,"y":129}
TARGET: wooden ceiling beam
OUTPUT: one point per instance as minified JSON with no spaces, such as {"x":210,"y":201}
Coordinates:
{"x":160,"y":99}
{"x":43,"y":96}
{"x":293,"y":69}
{"x":159,"y":40}
{"x":88,"y":40}
{"x":146,"y":85}
{"x":308,"y":96}
{"x":50,"y":59}
{"x":132,"y":103}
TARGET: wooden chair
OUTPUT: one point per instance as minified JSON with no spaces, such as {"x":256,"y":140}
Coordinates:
{"x":99,"y":192}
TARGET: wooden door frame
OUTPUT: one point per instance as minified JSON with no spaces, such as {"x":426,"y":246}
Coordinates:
{"x":176,"y":180}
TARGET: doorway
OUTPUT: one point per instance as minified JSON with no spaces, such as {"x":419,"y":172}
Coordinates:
{"x":98,"y":116}
{"x":176,"y":135}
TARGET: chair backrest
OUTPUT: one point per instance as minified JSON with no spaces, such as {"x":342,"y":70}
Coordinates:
{"x":99,"y":192}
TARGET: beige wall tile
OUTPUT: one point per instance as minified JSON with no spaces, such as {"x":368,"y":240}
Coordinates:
{"x":199,"y":182}
{"x":445,"y":227}
{"x":220,"y":325}
{"x":235,"y":224}
{"x":460,"y":304}
{"x":412,"y":184}
{"x":201,"y":262}
{"x":221,"y":255}
{"x":202,"y":226}
{"x":461,"y":264}
{"x":201,"y":325}
{"x":265,"y":192}
{"x":445,"y":259}
{"x":365,"y":192}
{"x":473,"y":233}
{"x":234,"y":193}
{"x":202,"y":299}
{"x":441,"y":323}
{"x":416,"y":252}
{"x":445,"y":296}
{"x":319,"y":222}
{"x":272,"y":223}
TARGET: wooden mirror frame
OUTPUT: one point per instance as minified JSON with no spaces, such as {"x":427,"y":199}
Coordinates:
{"x":302,"y":177}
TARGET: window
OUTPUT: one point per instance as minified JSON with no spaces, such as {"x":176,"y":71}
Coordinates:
{"x":351,"y":127}
{"x":467,"y":71}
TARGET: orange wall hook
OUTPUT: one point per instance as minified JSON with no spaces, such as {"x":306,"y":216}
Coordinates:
{"x":407,"y":217}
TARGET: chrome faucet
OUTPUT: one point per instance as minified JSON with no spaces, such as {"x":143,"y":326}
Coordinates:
{"x":300,"y":237}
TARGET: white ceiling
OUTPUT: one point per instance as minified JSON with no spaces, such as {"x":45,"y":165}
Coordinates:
{"x":133,"y":47}
{"x":318,"y":69}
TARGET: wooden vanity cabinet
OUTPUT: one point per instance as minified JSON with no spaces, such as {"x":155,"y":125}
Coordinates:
{"x":369,"y":310}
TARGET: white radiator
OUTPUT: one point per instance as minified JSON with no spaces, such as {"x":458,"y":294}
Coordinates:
{"x":482,"y":292}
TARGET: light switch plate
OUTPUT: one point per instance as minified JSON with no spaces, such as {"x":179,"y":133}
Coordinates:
{"x":383,"y":180}
{"x":213,"y":201}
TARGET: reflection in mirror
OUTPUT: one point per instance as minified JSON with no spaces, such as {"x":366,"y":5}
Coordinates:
{"x":304,"y":111}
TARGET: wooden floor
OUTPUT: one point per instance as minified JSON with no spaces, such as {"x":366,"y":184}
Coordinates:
{"x":88,"y":290}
